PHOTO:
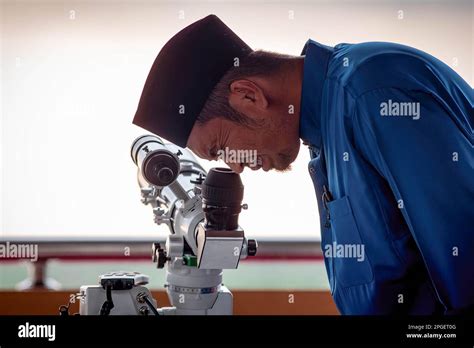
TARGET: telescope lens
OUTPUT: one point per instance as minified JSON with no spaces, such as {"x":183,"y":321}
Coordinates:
{"x":160,"y":168}
{"x":222,"y":194}
{"x":156,"y":163}
{"x":165,"y":175}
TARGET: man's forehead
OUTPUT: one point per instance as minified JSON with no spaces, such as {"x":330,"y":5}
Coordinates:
{"x":203,"y":145}
{"x":205,"y":136}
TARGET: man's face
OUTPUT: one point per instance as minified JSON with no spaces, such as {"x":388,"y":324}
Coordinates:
{"x":271,"y":103}
{"x":268,"y":147}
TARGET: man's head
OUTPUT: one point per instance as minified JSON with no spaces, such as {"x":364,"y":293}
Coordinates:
{"x":251,"y":118}
{"x":209,"y":91}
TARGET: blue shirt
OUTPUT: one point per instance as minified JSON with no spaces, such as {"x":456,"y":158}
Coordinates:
{"x":390,"y":132}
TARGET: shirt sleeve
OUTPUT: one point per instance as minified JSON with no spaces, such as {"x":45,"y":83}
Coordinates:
{"x":426,"y":154}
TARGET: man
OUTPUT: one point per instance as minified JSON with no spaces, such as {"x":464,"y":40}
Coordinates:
{"x":390,"y":134}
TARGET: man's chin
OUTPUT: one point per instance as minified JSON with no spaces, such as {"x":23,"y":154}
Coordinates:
{"x":284,"y":163}
{"x":283,"y":169}
{"x":280,"y":169}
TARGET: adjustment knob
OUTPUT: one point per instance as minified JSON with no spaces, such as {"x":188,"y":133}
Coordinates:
{"x":159,"y":255}
{"x":252,"y":247}
{"x":199,"y":180}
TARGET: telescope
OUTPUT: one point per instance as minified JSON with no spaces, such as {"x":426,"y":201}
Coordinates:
{"x":201,"y":211}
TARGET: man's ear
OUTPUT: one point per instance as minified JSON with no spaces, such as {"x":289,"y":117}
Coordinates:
{"x":247,"y":97}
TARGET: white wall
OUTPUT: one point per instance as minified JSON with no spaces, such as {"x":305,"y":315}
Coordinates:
{"x":71,"y":82}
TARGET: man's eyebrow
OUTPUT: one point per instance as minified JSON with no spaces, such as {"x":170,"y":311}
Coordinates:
{"x":212,"y":151}
{"x":208,"y":152}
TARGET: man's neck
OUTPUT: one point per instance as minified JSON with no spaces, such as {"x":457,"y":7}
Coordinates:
{"x":293,"y":82}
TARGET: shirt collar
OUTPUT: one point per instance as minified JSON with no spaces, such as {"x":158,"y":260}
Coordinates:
{"x":314,"y":74}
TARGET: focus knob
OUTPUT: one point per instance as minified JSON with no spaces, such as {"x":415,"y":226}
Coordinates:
{"x":252,"y":247}
{"x":159,"y":255}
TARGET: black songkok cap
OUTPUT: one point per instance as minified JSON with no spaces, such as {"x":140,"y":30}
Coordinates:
{"x":183,"y":76}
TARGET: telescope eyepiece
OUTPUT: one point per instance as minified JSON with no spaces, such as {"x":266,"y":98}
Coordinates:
{"x":222,"y":194}
{"x":223,"y":187}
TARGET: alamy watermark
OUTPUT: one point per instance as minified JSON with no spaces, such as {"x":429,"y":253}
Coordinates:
{"x":405,"y":109}
{"x":28,"y":330}
{"x":19,"y":251}
{"x":239,"y":156}
{"x":354,"y":251}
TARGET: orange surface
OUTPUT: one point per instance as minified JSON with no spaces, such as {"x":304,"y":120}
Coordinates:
{"x":42,"y":302}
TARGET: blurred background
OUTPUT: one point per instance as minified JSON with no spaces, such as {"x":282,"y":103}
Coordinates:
{"x":71,"y":76}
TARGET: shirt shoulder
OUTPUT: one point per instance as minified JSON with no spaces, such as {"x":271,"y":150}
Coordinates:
{"x":359,"y":68}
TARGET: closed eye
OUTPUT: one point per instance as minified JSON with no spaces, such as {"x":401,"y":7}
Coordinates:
{"x":212,"y":154}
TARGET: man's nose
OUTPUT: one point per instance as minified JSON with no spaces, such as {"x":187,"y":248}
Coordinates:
{"x":236,"y":167}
